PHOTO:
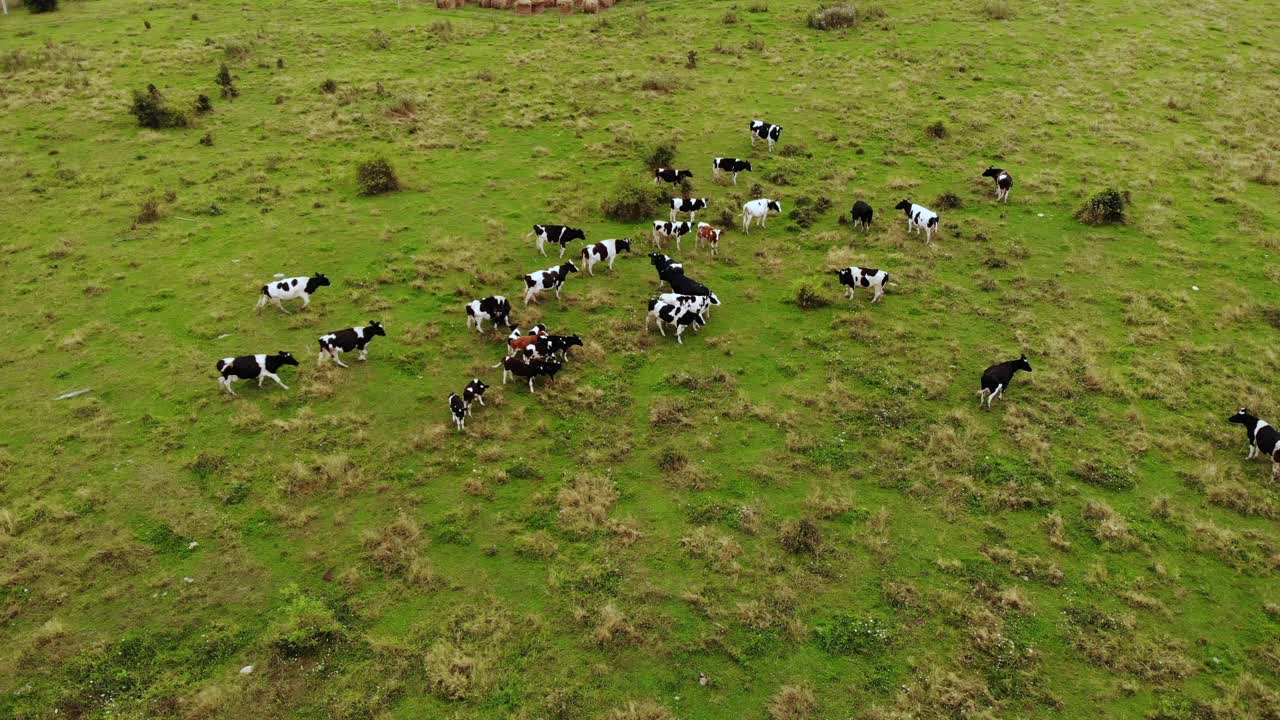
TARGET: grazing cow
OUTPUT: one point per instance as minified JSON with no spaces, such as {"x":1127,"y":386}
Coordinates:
{"x":675,"y":315}
{"x":919,"y":217}
{"x":604,"y":250}
{"x":458,"y":407}
{"x":356,"y":338}
{"x":855,"y":277}
{"x":667,"y":230}
{"x":758,"y":211}
{"x":473,"y":392}
{"x":1004,"y":182}
{"x":765,"y":131}
{"x":559,"y":234}
{"x":861,"y":214}
{"x":550,"y":279}
{"x":670,"y":175}
{"x":248,"y":367}
{"x":557,"y":346}
{"x":711,"y":234}
{"x":278,"y":291}
{"x":494,"y":307}
{"x":732,"y":165}
{"x":687,"y":205}
{"x":517,"y":367}
{"x":1262,"y":438}
{"x":996,"y":379}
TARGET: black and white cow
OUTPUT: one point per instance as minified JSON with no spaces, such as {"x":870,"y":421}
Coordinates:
{"x":919,"y":217}
{"x":474,"y":392}
{"x":670,"y":175}
{"x":1004,"y":182}
{"x":278,"y":291}
{"x":684,"y":285}
{"x":687,"y":205}
{"x":700,"y":304}
{"x":604,"y":250}
{"x":758,"y":211}
{"x":517,"y":367}
{"x":558,"y":234}
{"x":494,"y":307}
{"x":458,"y":408}
{"x":996,"y":379}
{"x":666,"y":267}
{"x":677,"y":316}
{"x":552,"y":278}
{"x":356,"y":338}
{"x":1262,"y":437}
{"x":248,"y":367}
{"x":856,"y":277}
{"x":861,"y":214}
{"x":557,"y":346}
{"x":764,"y":131}
{"x":730,"y":165}
{"x":667,"y":230}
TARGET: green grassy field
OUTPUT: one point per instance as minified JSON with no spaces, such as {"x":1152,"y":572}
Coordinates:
{"x":805,"y":504}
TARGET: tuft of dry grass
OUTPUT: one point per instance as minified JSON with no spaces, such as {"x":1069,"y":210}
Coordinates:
{"x":612,"y":626}
{"x":793,"y":702}
{"x":453,"y":674}
{"x":718,"y":549}
{"x":585,"y":503}
{"x":640,"y":711}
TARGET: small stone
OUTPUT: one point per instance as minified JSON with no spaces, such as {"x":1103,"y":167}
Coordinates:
{"x":1196,"y":288}
{"x":246,"y":670}
{"x":188,"y":580}
{"x":192,"y":545}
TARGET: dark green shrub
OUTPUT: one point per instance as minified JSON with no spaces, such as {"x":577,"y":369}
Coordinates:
{"x":304,"y":626}
{"x":660,"y":154}
{"x":376,"y":176}
{"x":227,"y":83}
{"x":849,"y":634}
{"x":42,"y":6}
{"x":1106,"y":207}
{"x":801,"y":537}
{"x":808,"y":297}
{"x":805,"y":211}
{"x":153,"y":112}
{"x":1103,"y":474}
{"x":947,"y":201}
{"x":203,"y":104}
{"x":936,"y":130}
{"x":633,"y":200}
{"x":329,"y":86}
{"x":833,"y":17}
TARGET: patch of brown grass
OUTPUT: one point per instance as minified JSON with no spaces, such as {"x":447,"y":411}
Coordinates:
{"x":793,"y":702}
{"x":585,"y":503}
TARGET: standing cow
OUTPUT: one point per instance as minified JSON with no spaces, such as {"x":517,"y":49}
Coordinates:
{"x":605,"y":250}
{"x":494,"y":307}
{"x":996,"y":379}
{"x":1004,"y":182}
{"x":919,"y":217}
{"x":856,"y":277}
{"x":558,"y":234}
{"x":764,"y":131}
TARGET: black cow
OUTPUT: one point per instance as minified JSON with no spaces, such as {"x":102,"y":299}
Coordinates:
{"x":356,"y":338}
{"x":732,"y":165}
{"x":687,"y":205}
{"x":861,"y":214}
{"x":458,"y":407}
{"x":666,"y":267}
{"x":494,"y":307}
{"x":670,"y":175}
{"x":684,"y":285}
{"x":765,"y":131}
{"x":516,"y":366}
{"x":559,"y":234}
{"x":248,"y":367}
{"x":474,"y":391}
{"x":996,"y":379}
{"x":1004,"y":182}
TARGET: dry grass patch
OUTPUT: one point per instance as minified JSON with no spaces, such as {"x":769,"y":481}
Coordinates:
{"x":718,"y":549}
{"x":585,"y":504}
{"x":793,"y":702}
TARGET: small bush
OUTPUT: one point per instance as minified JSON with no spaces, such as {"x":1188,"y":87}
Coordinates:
{"x":793,"y":702}
{"x":304,"y":627}
{"x":809,"y":298}
{"x":849,"y":634}
{"x":789,"y":151}
{"x":756,"y":43}
{"x":805,"y":211}
{"x":997,"y":9}
{"x":227,"y":83}
{"x":154,"y":112}
{"x":801,"y":537}
{"x":691,"y":63}
{"x":1103,"y":474}
{"x":758,"y":7}
{"x":729,"y":18}
{"x":207,"y":140}
{"x":376,"y":176}
{"x":633,"y":201}
{"x":379,"y":40}
{"x":833,"y":17}
{"x":947,"y":201}
{"x":1106,"y":207}
{"x":149,"y":212}
{"x":936,"y":130}
{"x":42,"y":6}
{"x":203,"y":104}
{"x":660,"y":84}
{"x":329,"y":86}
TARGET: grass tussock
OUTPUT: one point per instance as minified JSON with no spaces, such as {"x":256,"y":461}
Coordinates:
{"x":832,"y":17}
{"x":585,"y":503}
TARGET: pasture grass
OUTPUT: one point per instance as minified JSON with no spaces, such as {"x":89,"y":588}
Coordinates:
{"x":802,"y":505}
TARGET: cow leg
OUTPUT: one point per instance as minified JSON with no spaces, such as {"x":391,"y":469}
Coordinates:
{"x":735,"y":178}
{"x":1253,"y":452}
{"x":879,"y":292}
{"x":275,"y":377}
{"x":678,"y":237}
{"x":530,"y":384}
{"x":364,"y":354}
{"x":660,"y":328}
{"x":541,"y":247}
{"x":278,"y":303}
{"x":673,"y":215}
{"x":226,"y":384}
{"x":336,"y":358}
{"x":562,"y":247}
{"x":615,"y":257}
{"x":261,"y":378}
{"x":480,"y":398}
{"x":679,"y":332}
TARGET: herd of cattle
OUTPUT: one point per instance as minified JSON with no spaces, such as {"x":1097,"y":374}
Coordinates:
{"x":537,"y":353}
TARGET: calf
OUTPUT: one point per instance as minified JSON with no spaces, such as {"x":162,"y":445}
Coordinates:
{"x":668,"y":230}
{"x":494,"y":307}
{"x":687,"y":205}
{"x":248,"y":367}
{"x":855,"y":277}
{"x":861,"y":214}
{"x":1262,"y":438}
{"x":557,"y":346}
{"x":290,"y":289}
{"x":919,"y":217}
{"x":670,"y":175}
{"x":560,"y":234}
{"x":1004,"y":182}
{"x":711,"y":234}
{"x":675,"y":315}
{"x":604,"y":250}
{"x":474,"y":392}
{"x":758,"y":211}
{"x":517,"y":367}
{"x":764,"y":131}
{"x":356,"y":338}
{"x":996,"y":379}
{"x":732,"y":165}
{"x":549,"y":279}
{"x":458,"y":407}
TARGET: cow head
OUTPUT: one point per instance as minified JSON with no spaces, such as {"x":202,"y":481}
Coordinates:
{"x":477,"y":387}
{"x":684,"y":173}
{"x":904,"y":206}
{"x":846,"y":276}
{"x":991,"y":172}
{"x":775,"y":206}
{"x":745,"y":165}
{"x":375,"y":328}
{"x":286,"y":358}
{"x":1242,"y":416}
{"x":659,"y":260}
{"x":538,"y":329}
{"x":567,"y":268}
{"x":573,"y":234}
{"x":714,"y":300}
{"x":1023,"y":364}
{"x":623,"y":245}
{"x":316,"y":281}
{"x":775,"y":132}
{"x":570,"y":340}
